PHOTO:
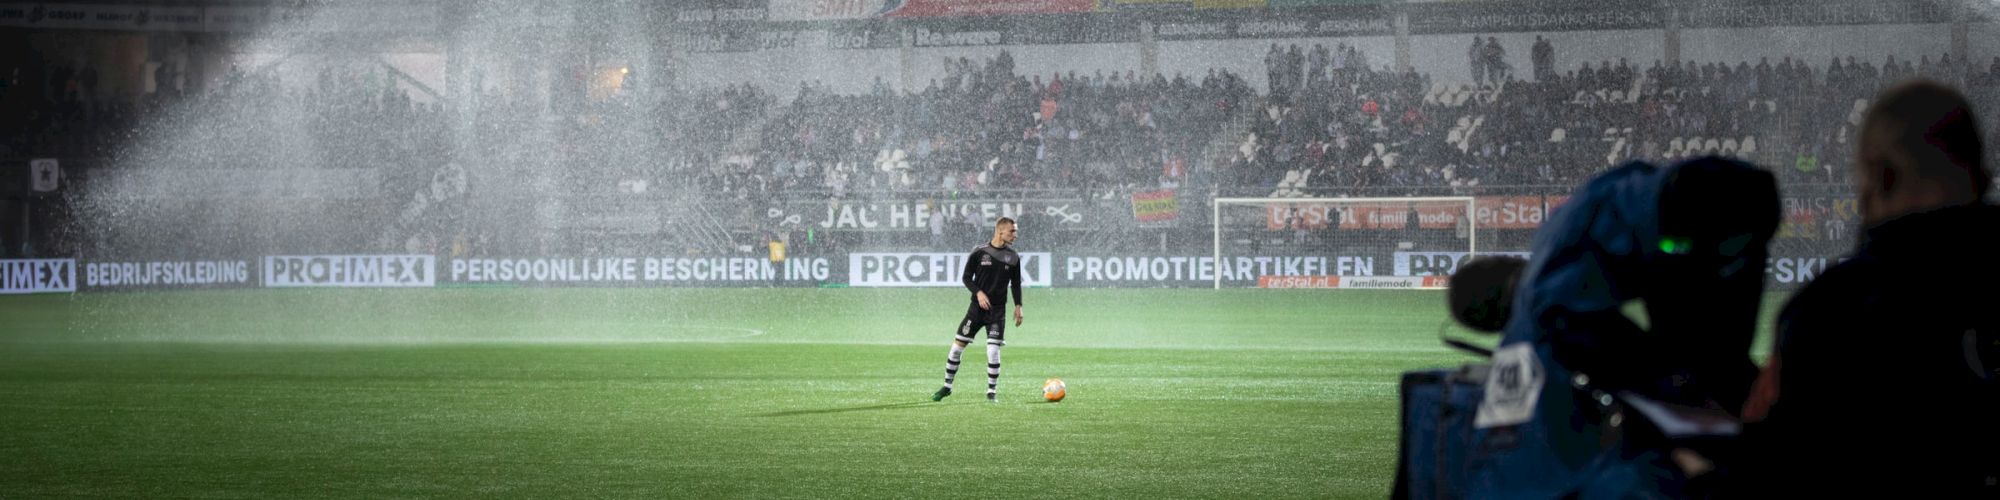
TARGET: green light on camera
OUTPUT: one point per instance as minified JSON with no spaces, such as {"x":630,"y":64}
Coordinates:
{"x":1675,"y":246}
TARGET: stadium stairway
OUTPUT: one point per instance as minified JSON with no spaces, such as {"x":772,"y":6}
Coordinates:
{"x":445,"y":184}
{"x":694,"y":222}
{"x":1226,"y":140}
{"x":749,"y":136}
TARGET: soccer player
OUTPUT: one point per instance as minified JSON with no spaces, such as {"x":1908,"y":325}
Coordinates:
{"x":990,"y":272}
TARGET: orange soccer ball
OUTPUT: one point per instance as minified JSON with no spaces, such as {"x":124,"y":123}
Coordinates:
{"x":1054,"y":390}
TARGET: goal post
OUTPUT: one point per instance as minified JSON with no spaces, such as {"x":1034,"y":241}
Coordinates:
{"x":1341,"y":242}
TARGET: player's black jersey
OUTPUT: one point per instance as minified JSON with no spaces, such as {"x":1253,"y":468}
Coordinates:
{"x":994,"y":271}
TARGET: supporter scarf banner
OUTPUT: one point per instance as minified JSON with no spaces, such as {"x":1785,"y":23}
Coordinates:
{"x":21,"y":276}
{"x":931,"y":269}
{"x":1830,"y":218}
{"x":1155,"y":208}
{"x":916,"y":214}
{"x":350,"y":271}
{"x":638,"y":270}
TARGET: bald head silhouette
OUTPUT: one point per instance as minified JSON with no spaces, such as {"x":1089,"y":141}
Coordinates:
{"x":1919,"y":149}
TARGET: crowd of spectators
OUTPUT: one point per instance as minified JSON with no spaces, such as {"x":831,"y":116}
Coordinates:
{"x":1369,"y":132}
{"x":984,"y":127}
{"x":1327,"y":116}
{"x":54,"y":109}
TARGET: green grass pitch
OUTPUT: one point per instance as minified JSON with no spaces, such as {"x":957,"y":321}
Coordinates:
{"x":684,"y":393}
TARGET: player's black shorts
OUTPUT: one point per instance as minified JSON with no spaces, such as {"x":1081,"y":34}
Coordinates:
{"x":994,"y":321}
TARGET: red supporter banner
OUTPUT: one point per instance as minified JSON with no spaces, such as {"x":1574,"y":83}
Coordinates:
{"x":1819,"y":217}
{"x":1372,"y":216}
{"x":1282,"y":216}
{"x":1798,"y":224}
{"x":1314,"y":216}
{"x":1510,"y":212}
{"x":1389,"y":215}
{"x":1439,"y":215}
{"x":1155,"y":206}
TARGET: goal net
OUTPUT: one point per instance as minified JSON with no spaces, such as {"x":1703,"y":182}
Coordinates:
{"x":1341,"y":242}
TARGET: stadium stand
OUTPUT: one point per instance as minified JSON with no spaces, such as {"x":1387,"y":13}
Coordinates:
{"x":1327,"y":125}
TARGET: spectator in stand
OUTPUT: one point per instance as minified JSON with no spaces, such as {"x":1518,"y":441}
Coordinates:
{"x":1543,"y":55}
{"x":1476,"y":59}
{"x":1321,"y":59}
{"x":1274,"y":63}
{"x":1295,"y":64}
{"x":1495,"y":59}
